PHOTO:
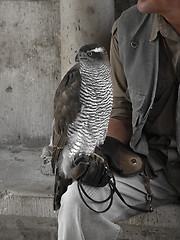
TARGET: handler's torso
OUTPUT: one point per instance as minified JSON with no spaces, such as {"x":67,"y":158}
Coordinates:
{"x":152,"y":86}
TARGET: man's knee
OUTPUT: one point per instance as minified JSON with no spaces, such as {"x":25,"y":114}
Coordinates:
{"x":71,"y":197}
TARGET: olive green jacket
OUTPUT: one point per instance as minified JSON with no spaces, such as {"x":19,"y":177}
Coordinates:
{"x":140,"y":59}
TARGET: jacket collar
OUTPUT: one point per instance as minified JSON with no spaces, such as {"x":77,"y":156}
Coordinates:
{"x":165,"y":29}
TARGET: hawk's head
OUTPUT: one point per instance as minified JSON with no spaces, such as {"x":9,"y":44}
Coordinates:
{"x":92,"y":54}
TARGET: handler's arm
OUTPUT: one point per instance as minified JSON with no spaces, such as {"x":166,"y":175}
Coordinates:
{"x":120,"y":123}
{"x":120,"y":129}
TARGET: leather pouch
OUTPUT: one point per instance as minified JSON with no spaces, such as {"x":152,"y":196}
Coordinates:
{"x":122,"y":158}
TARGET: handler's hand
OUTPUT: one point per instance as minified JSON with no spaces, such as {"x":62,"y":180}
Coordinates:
{"x":91,"y":170}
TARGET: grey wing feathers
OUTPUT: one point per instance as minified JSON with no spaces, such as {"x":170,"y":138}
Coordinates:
{"x":66,"y":108}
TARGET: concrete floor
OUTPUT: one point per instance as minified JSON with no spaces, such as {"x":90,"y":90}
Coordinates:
{"x":27,"y":228}
{"x":20,"y":172}
{"x":26,"y":202}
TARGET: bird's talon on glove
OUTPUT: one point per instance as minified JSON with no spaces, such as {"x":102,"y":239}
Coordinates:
{"x":96,"y":157}
{"x":91,"y":170}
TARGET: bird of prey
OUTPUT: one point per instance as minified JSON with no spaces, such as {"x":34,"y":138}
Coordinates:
{"x":82,"y":107}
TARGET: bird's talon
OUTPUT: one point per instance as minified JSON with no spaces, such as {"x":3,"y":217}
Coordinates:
{"x":95,"y":156}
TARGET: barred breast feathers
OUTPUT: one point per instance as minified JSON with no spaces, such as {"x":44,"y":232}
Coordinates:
{"x":90,"y":127}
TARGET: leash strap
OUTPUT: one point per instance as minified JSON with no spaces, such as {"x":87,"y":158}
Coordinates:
{"x":130,"y":206}
{"x":109,"y":198}
{"x":113,"y":189}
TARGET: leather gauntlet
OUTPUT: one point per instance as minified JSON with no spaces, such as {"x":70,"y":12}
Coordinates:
{"x":92,"y":170}
{"x":122,"y":158}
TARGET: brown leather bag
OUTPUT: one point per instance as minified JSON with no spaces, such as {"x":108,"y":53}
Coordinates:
{"x":122,"y":158}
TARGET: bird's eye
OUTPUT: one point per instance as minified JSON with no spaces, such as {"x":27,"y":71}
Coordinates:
{"x":89,"y":54}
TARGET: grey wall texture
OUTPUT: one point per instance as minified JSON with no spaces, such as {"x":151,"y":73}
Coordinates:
{"x":29,"y":70}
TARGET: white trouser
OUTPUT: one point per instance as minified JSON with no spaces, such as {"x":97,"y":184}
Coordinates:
{"x":77,"y":222}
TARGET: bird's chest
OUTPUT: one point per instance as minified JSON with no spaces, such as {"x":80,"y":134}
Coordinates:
{"x":93,"y":108}
{"x":90,"y":127}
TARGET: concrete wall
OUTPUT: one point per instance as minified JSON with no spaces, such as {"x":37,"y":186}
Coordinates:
{"x":29,"y":69}
{"x":30,"y":66}
{"x":84,"y":22}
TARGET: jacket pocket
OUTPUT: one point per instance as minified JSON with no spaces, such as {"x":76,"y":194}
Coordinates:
{"x":137,"y":99}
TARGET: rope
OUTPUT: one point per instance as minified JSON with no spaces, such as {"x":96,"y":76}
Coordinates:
{"x":113,"y":189}
{"x":109,"y":198}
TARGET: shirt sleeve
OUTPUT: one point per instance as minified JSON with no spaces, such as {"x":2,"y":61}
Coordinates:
{"x":121,"y":106}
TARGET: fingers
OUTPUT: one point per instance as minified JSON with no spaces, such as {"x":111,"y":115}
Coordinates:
{"x":92,"y":174}
{"x":91,"y":170}
{"x":96,"y":175}
{"x":78,"y":170}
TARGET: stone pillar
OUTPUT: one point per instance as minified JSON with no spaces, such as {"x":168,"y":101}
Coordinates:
{"x":84,"y":22}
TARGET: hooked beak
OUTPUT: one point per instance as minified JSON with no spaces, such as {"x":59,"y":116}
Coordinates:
{"x":80,"y":56}
{"x":77,"y":58}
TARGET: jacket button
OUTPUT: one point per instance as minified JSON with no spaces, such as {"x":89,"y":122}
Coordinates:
{"x":134,"y":44}
{"x":172,"y":163}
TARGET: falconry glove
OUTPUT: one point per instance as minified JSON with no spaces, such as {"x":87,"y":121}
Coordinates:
{"x":121,"y":158}
{"x":94,"y":170}
{"x":91,"y":170}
